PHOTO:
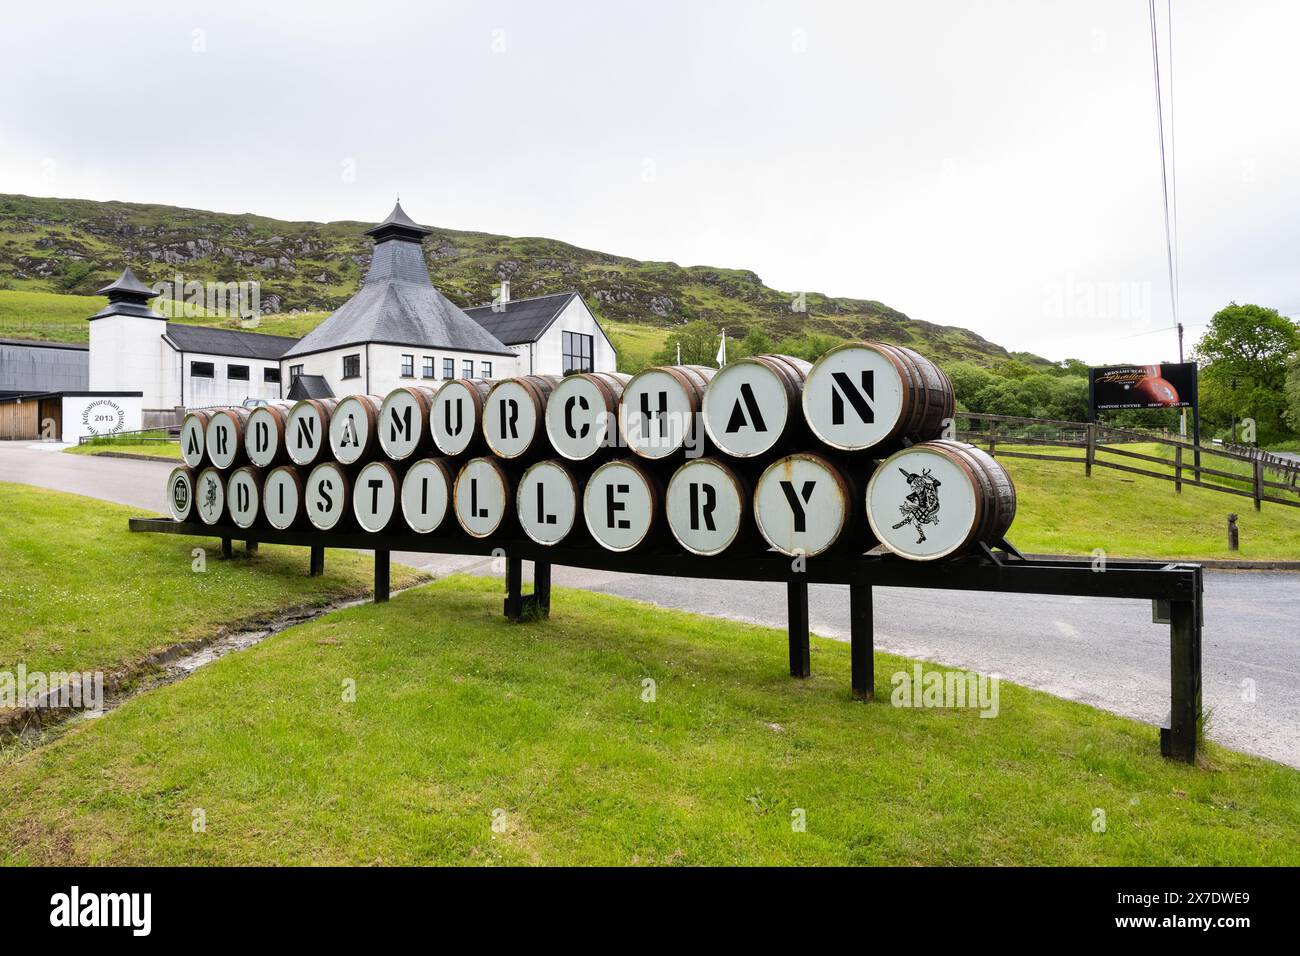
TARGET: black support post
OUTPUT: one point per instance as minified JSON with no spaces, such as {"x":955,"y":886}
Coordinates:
{"x":317,"y":560}
{"x":514,"y":588}
{"x":382,"y":568}
{"x":250,"y":547}
{"x":542,"y":586}
{"x":1179,"y":739}
{"x":797,"y":601}
{"x":862,"y":642}
{"x":227,"y":550}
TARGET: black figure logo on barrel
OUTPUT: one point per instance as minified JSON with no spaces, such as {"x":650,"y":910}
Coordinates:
{"x":210,"y":492}
{"x":921,"y":507}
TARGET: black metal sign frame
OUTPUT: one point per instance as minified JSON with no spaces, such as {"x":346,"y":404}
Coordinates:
{"x":1175,"y":590}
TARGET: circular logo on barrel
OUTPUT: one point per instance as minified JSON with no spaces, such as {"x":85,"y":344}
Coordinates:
{"x":425,"y":496}
{"x":306,"y":433}
{"x":374,"y":496}
{"x":192,"y":441}
{"x":211,"y":496}
{"x":547,"y":502}
{"x":452,"y":418}
{"x":281,"y":498}
{"x":326,"y":495}
{"x":853,"y":397}
{"x":222,"y":440}
{"x":921,"y":504}
{"x":181,"y":495}
{"x":656,"y":414}
{"x":401,"y":424}
{"x":241,"y":492}
{"x":480,"y":497}
{"x":349,"y":430}
{"x":800,"y":505}
{"x":704,"y":506}
{"x":262,"y":437}
{"x":509,"y":419}
{"x":577,"y":420}
{"x":618,"y":504}
{"x":745,"y":409}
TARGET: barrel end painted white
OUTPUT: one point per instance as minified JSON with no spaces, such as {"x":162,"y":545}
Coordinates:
{"x":746,"y":408}
{"x":481,"y":497}
{"x":801,"y":505}
{"x":547,"y":502}
{"x":921,"y":505}
{"x":618,"y":506}
{"x":374,"y":496}
{"x":706,"y":507}
{"x":426,"y":496}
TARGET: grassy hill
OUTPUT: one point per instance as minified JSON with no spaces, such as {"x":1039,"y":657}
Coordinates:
{"x":71,"y":247}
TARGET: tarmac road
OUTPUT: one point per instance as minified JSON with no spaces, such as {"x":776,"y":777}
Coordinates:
{"x":1103,"y":652}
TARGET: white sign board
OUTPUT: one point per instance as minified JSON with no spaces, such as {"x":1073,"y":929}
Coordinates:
{"x":85,"y":416}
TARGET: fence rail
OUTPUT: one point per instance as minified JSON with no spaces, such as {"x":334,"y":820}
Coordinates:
{"x":1244,"y":471}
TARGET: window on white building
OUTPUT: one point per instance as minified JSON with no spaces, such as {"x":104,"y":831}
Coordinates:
{"x":294,"y":372}
{"x":487,"y":369}
{"x":237,"y":373}
{"x":448,"y":368}
{"x":428,"y":366}
{"x":352,"y":366}
{"x":203,"y":370}
{"x":467,"y":368}
{"x":578,"y":352}
{"x":270,"y":374}
{"x":408,"y":366}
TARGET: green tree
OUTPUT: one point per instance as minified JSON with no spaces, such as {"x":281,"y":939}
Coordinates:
{"x":755,"y":342}
{"x":1244,"y":357}
{"x":699,"y":341}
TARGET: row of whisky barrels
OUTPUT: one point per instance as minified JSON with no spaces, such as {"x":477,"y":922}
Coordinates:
{"x":857,"y":398}
{"x":931,"y":500}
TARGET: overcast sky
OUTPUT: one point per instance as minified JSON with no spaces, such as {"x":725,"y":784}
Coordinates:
{"x":986,"y":164}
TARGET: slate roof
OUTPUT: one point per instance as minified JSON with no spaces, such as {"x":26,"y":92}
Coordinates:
{"x":127,"y":295}
{"x":397,"y":303}
{"x":522,"y":320}
{"x":206,"y":341}
{"x":310,"y":386}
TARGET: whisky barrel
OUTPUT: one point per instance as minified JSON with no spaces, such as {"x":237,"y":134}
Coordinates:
{"x":308,"y":424}
{"x":282,"y":498}
{"x":456,"y":418}
{"x":805,"y":505}
{"x":375,"y":497}
{"x":708,"y":507}
{"x":939,"y":499}
{"x":659,"y":409}
{"x":354,"y":428}
{"x":622,"y":504}
{"x":870,"y":396}
{"x":194,"y":427}
{"x":224,"y":437}
{"x":404,"y":422}
{"x":752,"y":405}
{"x":264,"y":436}
{"x":582,"y":413}
{"x":426,"y":495}
{"x":210,"y":496}
{"x":547,"y":501}
{"x":243,"y":495}
{"x":180,"y":493}
{"x":481,"y":497}
{"x":514,"y":416}
{"x":326,"y":496}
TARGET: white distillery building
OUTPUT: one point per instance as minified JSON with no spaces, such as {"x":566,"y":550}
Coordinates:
{"x":396,"y":330}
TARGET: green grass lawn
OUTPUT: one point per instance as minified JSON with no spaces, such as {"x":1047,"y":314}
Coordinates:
{"x":129,"y":445}
{"x":461,"y":720}
{"x":79,"y":592}
{"x":1059,"y":511}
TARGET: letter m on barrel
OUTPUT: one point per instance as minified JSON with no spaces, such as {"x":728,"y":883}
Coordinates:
{"x":844,"y":391}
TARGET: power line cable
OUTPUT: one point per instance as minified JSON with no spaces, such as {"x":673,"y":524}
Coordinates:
{"x":1164,"y":177}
